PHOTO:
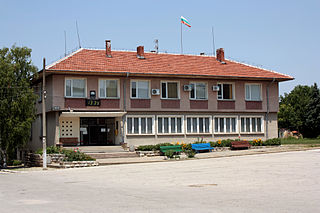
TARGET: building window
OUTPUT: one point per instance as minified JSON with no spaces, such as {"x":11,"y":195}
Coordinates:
{"x":140,"y":89}
{"x":225,"y":124}
{"x":198,"y":124}
{"x":251,"y":125}
{"x":140,"y":125}
{"x":199,"y":91}
{"x":108,"y":88}
{"x":253,"y":92}
{"x":225,"y":92}
{"x":169,"y":90}
{"x":75,"y":88}
{"x":170,"y":124}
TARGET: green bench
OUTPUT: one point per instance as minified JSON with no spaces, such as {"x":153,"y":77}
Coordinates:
{"x":176,"y":148}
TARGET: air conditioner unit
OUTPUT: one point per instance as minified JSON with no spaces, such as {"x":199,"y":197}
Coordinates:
{"x":155,"y":92}
{"x":215,"y":88}
{"x":187,"y":87}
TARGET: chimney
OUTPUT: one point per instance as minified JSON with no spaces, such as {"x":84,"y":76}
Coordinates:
{"x":140,"y":52}
{"x":108,"y":48}
{"x":220,"y":54}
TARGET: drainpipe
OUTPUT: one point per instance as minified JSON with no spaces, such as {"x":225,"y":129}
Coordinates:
{"x":267,"y":114}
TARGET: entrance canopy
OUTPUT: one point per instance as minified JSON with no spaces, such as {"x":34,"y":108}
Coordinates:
{"x":92,"y":114}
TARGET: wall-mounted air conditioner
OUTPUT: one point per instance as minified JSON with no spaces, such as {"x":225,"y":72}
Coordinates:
{"x":155,"y":92}
{"x":187,"y":87}
{"x":215,"y":88}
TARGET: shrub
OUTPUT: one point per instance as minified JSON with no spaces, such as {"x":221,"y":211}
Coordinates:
{"x":272,"y":142}
{"x":169,"y":153}
{"x":146,"y":148}
{"x":50,"y":150}
{"x":190,"y":153}
{"x":16,"y":162}
{"x":76,"y":155}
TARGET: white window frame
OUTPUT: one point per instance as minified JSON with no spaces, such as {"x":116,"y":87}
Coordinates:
{"x":140,"y":116}
{"x":221,"y":88}
{"x":178,"y":90}
{"x":170,"y":116}
{"x":245,"y":91}
{"x":225,"y":124}
{"x":262,"y":124}
{"x":195,"y":94}
{"x":65,"y":87}
{"x":198,"y":132}
{"x":137,"y":80}
{"x":118,"y":88}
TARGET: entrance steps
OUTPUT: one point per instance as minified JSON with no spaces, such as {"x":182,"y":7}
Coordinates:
{"x":113,"y":155}
{"x":105,"y":152}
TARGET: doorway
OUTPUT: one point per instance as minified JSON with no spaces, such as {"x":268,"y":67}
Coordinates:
{"x":97,"y":131}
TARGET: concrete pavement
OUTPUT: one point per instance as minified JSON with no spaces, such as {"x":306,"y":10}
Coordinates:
{"x":278,"y":182}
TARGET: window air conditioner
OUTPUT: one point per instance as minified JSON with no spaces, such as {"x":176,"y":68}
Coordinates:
{"x":155,"y":92}
{"x":215,"y":88}
{"x":187,"y":87}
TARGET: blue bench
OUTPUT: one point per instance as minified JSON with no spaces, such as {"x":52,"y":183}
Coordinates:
{"x":201,"y":146}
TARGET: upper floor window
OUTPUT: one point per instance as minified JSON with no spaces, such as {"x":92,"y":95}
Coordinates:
{"x":109,"y":88}
{"x":199,"y":91}
{"x":140,"y":89}
{"x":75,"y":88}
{"x":225,"y":91}
{"x":253,"y":92}
{"x":169,"y":90}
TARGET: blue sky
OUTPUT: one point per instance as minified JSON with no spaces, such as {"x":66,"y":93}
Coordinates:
{"x":279,"y":35}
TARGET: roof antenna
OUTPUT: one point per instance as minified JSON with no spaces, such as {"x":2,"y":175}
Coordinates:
{"x":156,"y":46}
{"x":65,"y":44}
{"x":78,"y":34}
{"x":213,"y":46}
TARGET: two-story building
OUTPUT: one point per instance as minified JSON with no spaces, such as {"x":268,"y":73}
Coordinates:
{"x":105,"y":97}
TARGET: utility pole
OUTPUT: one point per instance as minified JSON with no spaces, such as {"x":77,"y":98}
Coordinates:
{"x":44,"y":124}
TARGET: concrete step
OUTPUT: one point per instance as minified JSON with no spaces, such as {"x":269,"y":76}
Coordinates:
{"x":113,"y":155}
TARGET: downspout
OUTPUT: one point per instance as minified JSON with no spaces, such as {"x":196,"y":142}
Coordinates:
{"x":124,"y":106}
{"x":268,"y":110}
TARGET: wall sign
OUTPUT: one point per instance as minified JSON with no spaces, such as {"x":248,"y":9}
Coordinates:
{"x":91,"y":102}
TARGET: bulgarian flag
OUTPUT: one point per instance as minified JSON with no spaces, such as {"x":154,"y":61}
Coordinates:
{"x":185,"y":21}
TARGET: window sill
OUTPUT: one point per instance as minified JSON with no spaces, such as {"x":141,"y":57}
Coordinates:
{"x":226,"y":99}
{"x":198,"y":99}
{"x":226,"y":133}
{"x":254,"y":100}
{"x":252,"y":133}
{"x":203,"y":133}
{"x":140,"y":134}
{"x":171,"y":99}
{"x":75,"y":97}
{"x":140,"y":98}
{"x":109,"y":98}
{"x":165,"y":134}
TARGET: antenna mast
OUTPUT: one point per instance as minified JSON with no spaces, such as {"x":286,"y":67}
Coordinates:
{"x":78,"y":34}
{"x":213,"y":46}
{"x":65,"y":44}
{"x":156,"y":46}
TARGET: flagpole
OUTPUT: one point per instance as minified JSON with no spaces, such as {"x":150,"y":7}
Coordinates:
{"x":181,"y":38}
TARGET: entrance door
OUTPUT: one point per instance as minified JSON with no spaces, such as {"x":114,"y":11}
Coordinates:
{"x":97,"y":131}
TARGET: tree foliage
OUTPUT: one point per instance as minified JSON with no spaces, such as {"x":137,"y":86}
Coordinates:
{"x":17,"y":109}
{"x":299,"y":109}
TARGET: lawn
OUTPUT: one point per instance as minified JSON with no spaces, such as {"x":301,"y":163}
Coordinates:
{"x":300,"y":141}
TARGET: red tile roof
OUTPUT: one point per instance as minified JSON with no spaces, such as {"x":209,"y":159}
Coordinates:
{"x":89,"y":60}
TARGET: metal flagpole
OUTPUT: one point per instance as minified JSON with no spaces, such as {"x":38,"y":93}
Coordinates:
{"x":181,"y":38}
{"x":44,"y":126}
{"x":213,"y":46}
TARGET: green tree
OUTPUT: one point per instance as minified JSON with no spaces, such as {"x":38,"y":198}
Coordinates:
{"x":17,"y":108}
{"x":293,"y":108}
{"x":313,"y":113}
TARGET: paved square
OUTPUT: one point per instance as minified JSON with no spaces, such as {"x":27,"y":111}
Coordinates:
{"x":280,"y":182}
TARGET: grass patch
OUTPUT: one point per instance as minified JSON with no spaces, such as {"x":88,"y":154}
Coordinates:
{"x":287,"y":141}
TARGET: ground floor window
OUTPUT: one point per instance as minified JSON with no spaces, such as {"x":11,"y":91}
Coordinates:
{"x":198,"y":124}
{"x":225,"y":124}
{"x":251,"y":125}
{"x":140,"y":125}
{"x":170,"y":124}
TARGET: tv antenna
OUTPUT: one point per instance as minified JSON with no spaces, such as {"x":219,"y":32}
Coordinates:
{"x":156,"y":46}
{"x":213,"y":45}
{"x":78,"y":34}
{"x":65,"y":43}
